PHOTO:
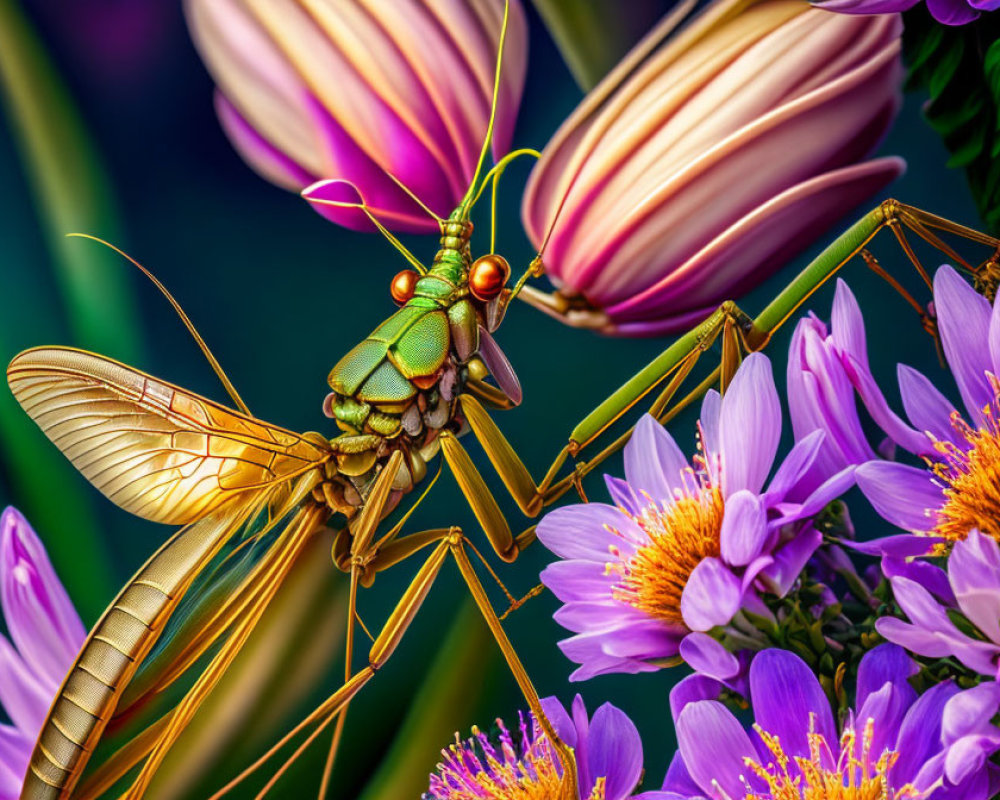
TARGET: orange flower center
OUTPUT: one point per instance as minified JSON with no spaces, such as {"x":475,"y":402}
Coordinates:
{"x":682,"y":532}
{"x":854,"y":778}
{"x":972,"y":481}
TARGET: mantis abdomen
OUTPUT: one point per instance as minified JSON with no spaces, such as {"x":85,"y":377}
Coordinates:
{"x":114,"y":650}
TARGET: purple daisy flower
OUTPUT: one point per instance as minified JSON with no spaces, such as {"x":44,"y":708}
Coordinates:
{"x":947,"y":12}
{"x":524,"y":765}
{"x":893,"y":745}
{"x":687,"y":544}
{"x":956,"y":491}
{"x":929,"y":596}
{"x":46,"y":633}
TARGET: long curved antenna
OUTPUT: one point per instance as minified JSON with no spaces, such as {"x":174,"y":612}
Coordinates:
{"x":494,"y":174}
{"x":413,"y":196}
{"x":361,"y":205}
{"x":466,"y":203}
{"x":212,"y":360}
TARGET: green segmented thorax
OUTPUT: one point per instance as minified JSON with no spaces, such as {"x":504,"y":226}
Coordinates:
{"x":415,"y":341}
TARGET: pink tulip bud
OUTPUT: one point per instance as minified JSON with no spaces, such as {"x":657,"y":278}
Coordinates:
{"x":730,"y":148}
{"x":311,"y":92}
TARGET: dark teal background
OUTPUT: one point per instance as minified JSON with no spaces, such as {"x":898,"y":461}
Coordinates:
{"x":280,"y":294}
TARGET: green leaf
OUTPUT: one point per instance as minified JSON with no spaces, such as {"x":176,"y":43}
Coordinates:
{"x":946,"y":65}
{"x":69,"y":189}
{"x":959,"y":68}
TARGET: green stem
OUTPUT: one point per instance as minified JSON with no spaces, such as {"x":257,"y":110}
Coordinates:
{"x":69,"y":190}
{"x":591,"y":36}
{"x":70,"y":193}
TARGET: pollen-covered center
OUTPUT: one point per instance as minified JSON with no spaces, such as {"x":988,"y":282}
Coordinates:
{"x":503,"y":767}
{"x":855,"y":776}
{"x":971,"y":480}
{"x":681,"y":532}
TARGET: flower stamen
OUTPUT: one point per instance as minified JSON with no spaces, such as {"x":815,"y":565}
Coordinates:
{"x":681,"y":533}
{"x":501,"y":768}
{"x":971,"y":480}
{"x":853,"y":777}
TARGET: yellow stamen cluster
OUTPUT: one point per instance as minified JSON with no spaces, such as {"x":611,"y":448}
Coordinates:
{"x":854,"y":777}
{"x":682,"y":532}
{"x":505,"y":775}
{"x":972,"y":481}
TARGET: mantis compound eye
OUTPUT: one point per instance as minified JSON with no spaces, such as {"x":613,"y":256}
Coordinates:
{"x":488,"y":275}
{"x":403,"y":285}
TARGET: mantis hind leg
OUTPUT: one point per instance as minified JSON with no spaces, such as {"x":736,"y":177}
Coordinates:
{"x":444,"y":542}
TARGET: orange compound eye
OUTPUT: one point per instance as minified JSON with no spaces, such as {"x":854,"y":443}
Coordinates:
{"x":488,"y":275}
{"x":403,"y":285}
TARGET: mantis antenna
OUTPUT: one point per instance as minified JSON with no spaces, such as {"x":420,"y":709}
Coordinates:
{"x":212,"y":360}
{"x":413,"y":196}
{"x":467,"y":201}
{"x":363,"y":206}
{"x":494,"y":174}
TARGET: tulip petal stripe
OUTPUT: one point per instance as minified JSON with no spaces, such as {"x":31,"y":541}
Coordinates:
{"x":154,"y":449}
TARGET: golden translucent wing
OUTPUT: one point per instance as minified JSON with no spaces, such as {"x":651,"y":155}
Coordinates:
{"x":153,"y":448}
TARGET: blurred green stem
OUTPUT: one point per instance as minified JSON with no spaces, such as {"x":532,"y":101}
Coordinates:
{"x":593,"y":35}
{"x":70,"y":193}
{"x":453,"y":687}
{"x":70,"y":190}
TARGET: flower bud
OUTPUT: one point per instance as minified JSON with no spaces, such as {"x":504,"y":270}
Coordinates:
{"x":348,"y":92}
{"x":722,"y":155}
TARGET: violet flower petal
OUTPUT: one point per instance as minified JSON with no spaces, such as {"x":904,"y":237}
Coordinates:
{"x":969,"y":712}
{"x":711,"y":595}
{"x":900,"y":493}
{"x":790,"y":559}
{"x":571,"y":580}
{"x":24,"y":695}
{"x":708,"y":425}
{"x":560,"y":720}
{"x":887,"y":663}
{"x":714,"y":747}
{"x":615,"y":751}
{"x":795,"y":466}
{"x":952,"y":12}
{"x":653,"y":461}
{"x":749,"y":426}
{"x":926,"y":407}
{"x":690,"y":690}
{"x":974,"y":572}
{"x":39,"y":614}
{"x":964,"y":322}
{"x":920,"y":734}
{"x":707,"y":656}
{"x":744,"y":528}
{"x":786,"y":696}
{"x":928,"y":575}
{"x":579,"y":531}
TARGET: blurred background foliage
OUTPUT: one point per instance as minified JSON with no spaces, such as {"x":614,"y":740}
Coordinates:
{"x":108,"y":129}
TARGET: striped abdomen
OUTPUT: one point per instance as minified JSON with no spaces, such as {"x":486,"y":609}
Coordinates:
{"x":113,"y":651}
